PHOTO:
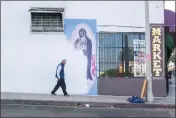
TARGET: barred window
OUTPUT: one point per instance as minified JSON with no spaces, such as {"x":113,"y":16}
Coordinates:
{"x":46,"y":22}
{"x":121,"y":54}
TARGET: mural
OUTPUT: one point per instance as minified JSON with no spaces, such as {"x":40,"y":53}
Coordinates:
{"x":82,"y":34}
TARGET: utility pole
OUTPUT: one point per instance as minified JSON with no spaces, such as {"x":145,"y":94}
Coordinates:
{"x":148,"y":54}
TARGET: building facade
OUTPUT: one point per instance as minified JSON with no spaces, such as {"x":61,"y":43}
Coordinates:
{"x":33,"y":38}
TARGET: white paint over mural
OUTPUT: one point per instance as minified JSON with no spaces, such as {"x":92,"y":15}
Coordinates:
{"x":29,"y":60}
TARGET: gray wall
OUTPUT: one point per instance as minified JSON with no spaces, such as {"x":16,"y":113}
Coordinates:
{"x":129,"y":87}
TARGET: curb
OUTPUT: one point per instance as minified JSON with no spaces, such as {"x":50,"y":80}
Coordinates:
{"x":83,"y":104}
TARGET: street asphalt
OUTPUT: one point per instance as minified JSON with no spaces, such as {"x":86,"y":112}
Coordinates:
{"x":53,"y":111}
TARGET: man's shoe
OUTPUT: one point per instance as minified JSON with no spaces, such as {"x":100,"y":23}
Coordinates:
{"x":53,"y":94}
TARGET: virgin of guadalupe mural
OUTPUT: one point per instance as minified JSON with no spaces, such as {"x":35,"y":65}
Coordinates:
{"x":85,"y":43}
{"x":82,"y":36}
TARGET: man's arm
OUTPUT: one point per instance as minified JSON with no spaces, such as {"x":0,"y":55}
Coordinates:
{"x":58,"y":71}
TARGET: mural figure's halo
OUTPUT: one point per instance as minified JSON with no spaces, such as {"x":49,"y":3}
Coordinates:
{"x":90,"y":34}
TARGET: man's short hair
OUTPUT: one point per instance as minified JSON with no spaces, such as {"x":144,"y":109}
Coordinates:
{"x":63,"y":59}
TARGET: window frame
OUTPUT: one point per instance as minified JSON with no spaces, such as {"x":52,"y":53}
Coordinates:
{"x":49,"y":32}
{"x":125,"y":47}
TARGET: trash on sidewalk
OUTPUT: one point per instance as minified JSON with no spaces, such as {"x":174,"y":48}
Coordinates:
{"x":135,"y":99}
{"x":87,"y":105}
{"x":112,"y":107}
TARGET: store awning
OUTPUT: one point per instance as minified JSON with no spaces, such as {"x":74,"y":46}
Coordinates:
{"x":169,"y":19}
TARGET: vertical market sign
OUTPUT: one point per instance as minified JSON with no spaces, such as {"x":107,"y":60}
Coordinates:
{"x":157,"y":50}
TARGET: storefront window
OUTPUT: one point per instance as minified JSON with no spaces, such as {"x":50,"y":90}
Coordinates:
{"x":137,"y":62}
{"x":110,"y":40}
{"x":110,"y":54}
{"x":136,"y":52}
{"x":121,"y":54}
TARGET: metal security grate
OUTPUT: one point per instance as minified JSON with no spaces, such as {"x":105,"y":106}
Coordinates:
{"x":46,"y":22}
{"x":117,"y":54}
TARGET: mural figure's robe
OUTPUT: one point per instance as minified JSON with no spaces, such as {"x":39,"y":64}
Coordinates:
{"x":85,"y":44}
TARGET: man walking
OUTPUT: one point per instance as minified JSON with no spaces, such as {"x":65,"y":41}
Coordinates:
{"x":60,"y":76}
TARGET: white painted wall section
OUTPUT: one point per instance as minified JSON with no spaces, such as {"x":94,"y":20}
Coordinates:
{"x":29,"y":60}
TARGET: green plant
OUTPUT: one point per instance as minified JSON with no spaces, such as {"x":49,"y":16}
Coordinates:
{"x":114,"y":73}
{"x":109,"y":73}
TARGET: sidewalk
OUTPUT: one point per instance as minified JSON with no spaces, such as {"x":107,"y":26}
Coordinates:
{"x":93,"y":101}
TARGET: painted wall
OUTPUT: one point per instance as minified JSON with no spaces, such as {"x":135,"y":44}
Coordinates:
{"x":118,"y":13}
{"x":29,"y":59}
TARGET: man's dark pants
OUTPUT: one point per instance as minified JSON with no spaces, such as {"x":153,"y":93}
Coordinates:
{"x":61,"y":83}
